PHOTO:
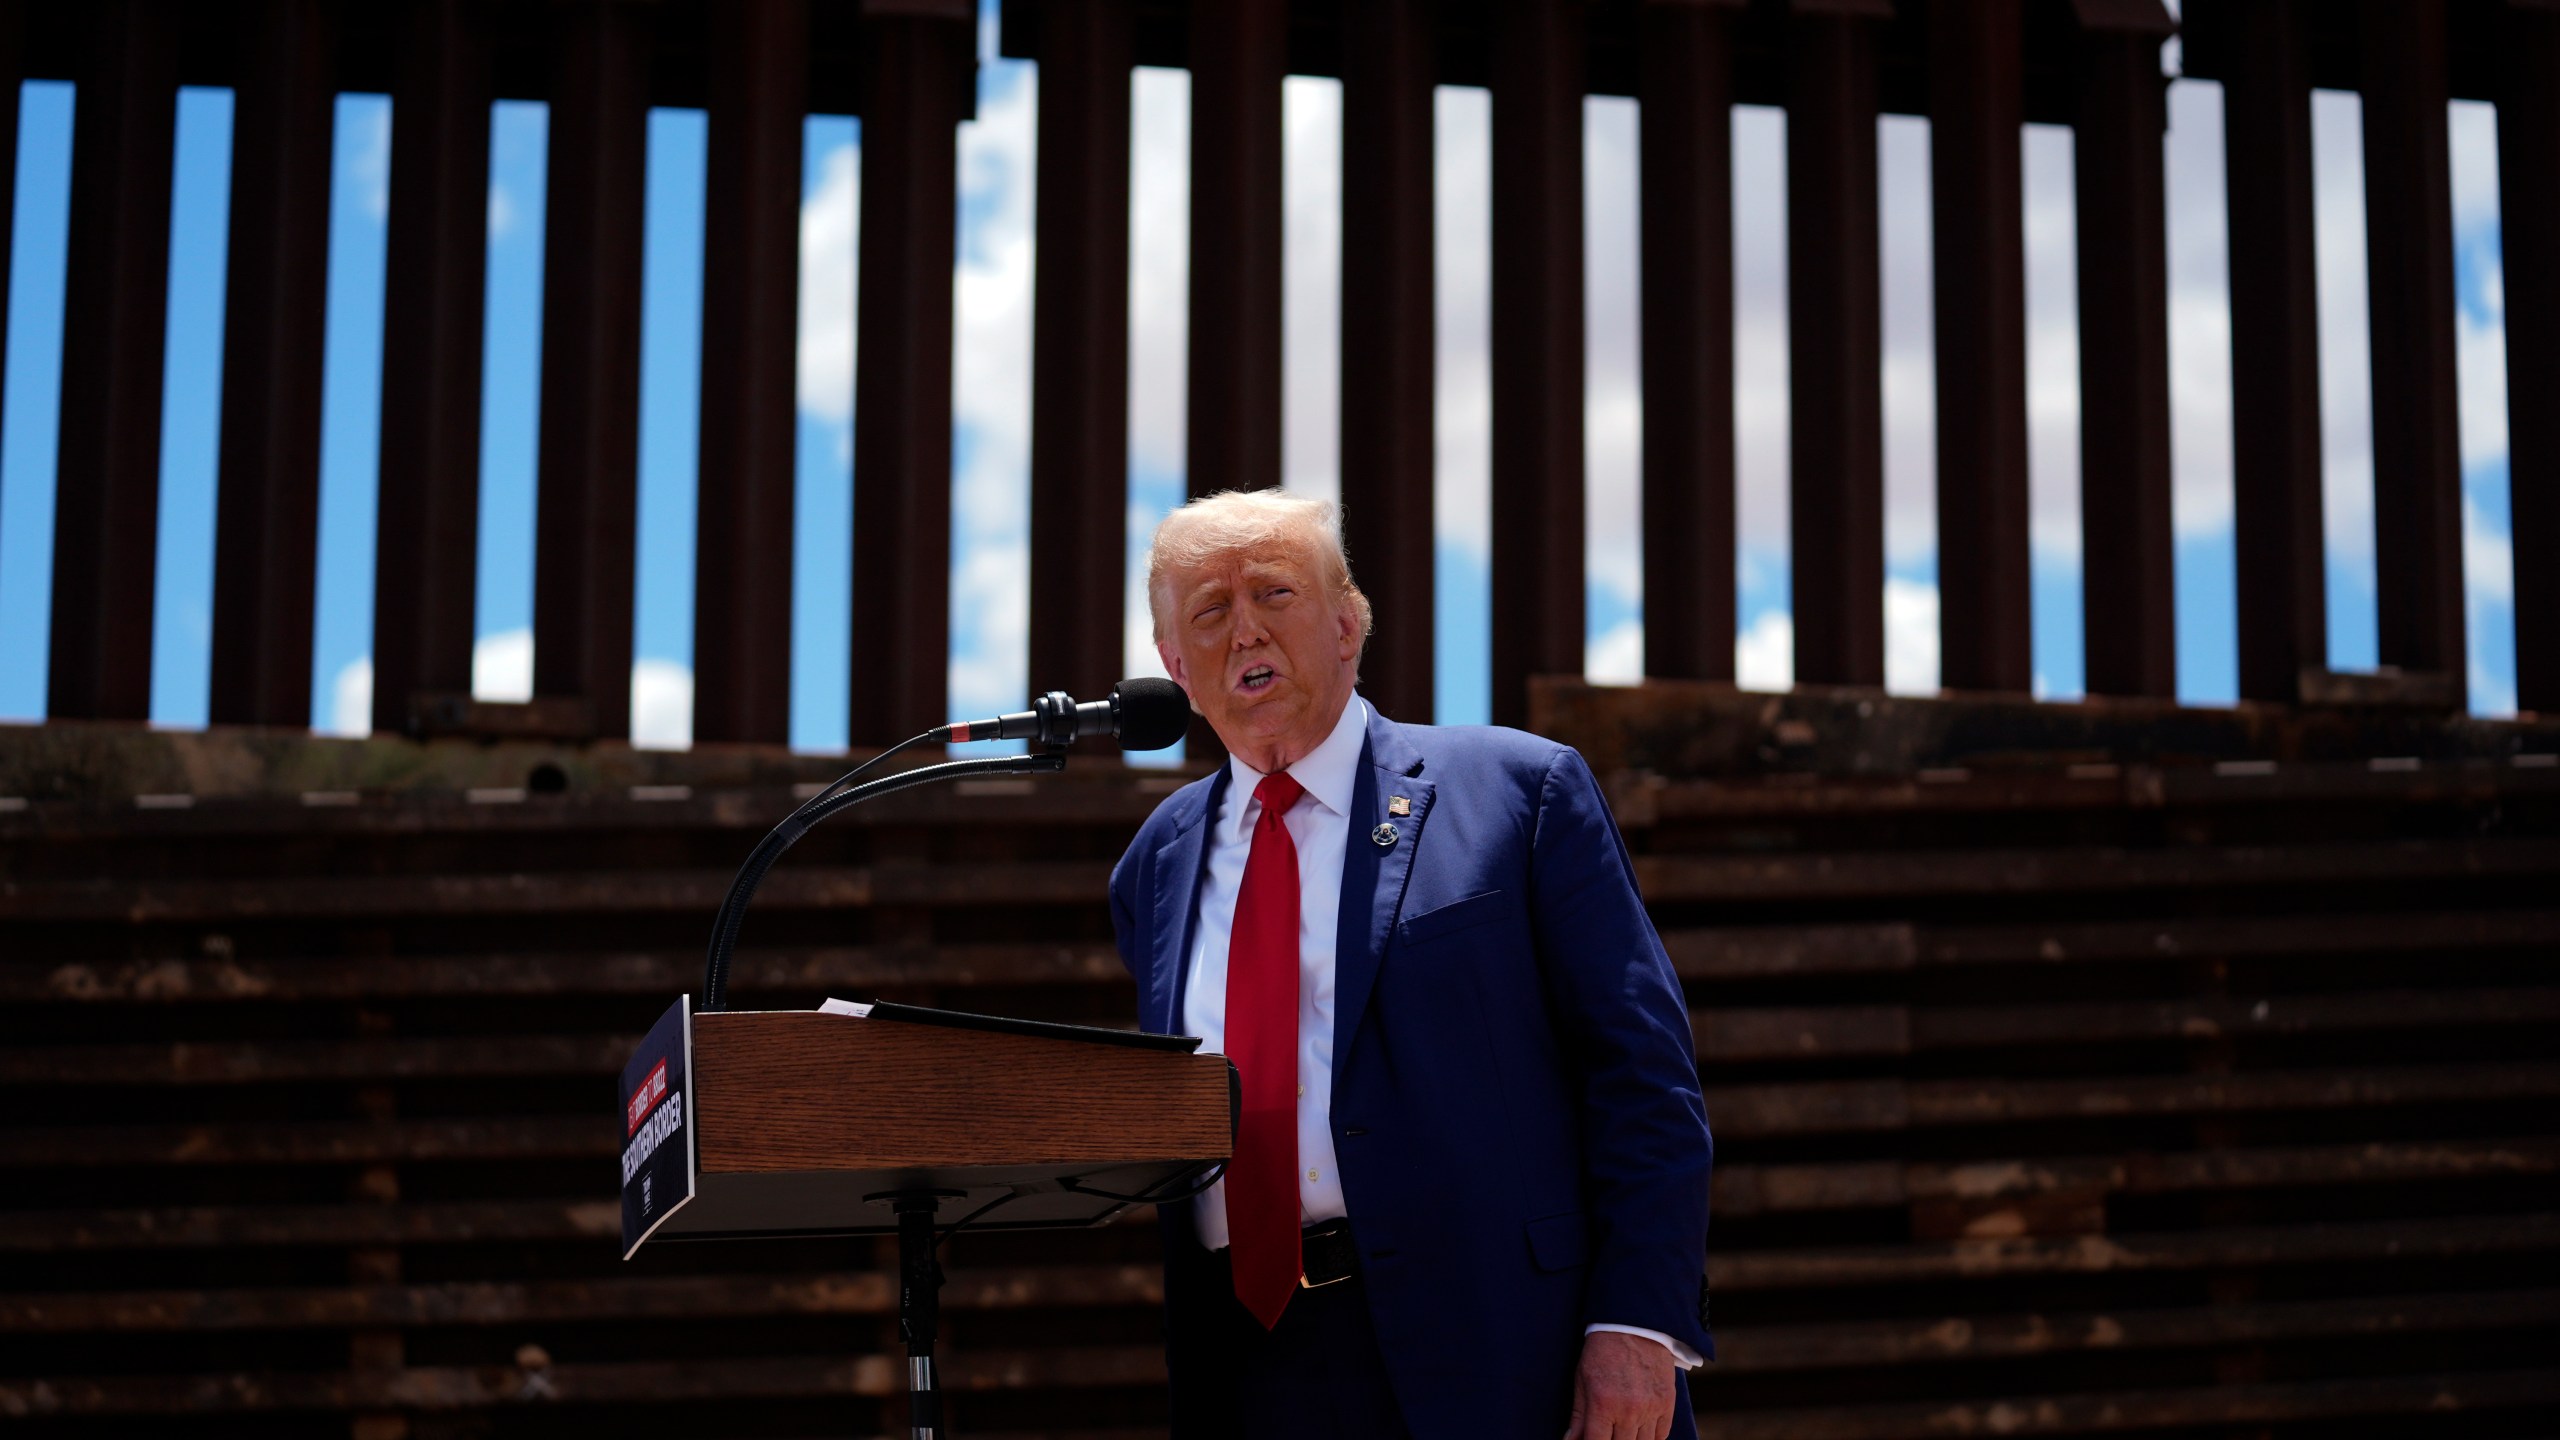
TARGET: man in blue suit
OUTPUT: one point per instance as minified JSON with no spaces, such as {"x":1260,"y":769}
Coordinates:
{"x":1469,"y":1195}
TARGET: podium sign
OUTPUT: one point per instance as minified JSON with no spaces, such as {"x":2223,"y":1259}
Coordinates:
{"x":658,"y":1166}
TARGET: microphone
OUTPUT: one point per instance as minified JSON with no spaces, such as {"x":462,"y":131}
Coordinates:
{"x":1143,"y":713}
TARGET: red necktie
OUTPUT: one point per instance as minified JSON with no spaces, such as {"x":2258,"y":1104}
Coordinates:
{"x":1262,"y":1040}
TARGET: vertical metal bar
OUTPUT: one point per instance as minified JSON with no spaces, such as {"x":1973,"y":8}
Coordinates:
{"x":1238,"y":49}
{"x":433,"y":272}
{"x":1080,"y":348}
{"x":2128,"y":596}
{"x":2417,"y":443}
{"x":586,"y":506}
{"x":107,"y":496}
{"x":1238,"y":54}
{"x":1977,"y":55}
{"x":267,"y":521}
{"x":2275,"y":360}
{"x":916,"y":74}
{"x":1834,"y":345}
{"x":2529,"y":230}
{"x":1685,"y":91}
{"x":1537,"y":348}
{"x":1388,"y":66}
{"x":759,"y":78}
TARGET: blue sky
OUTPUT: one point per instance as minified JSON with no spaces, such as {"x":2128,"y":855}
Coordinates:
{"x":992,"y":280}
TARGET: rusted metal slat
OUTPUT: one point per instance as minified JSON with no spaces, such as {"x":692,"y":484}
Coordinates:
{"x":2529,"y":235}
{"x":1976,"y":63}
{"x":1685,"y":93}
{"x":917,"y":78}
{"x":1538,"y":342}
{"x":2114,"y":1412}
{"x":1965,"y":1338}
{"x":267,"y":517}
{"x":508,"y":1303}
{"x":2095,"y":870}
{"x":2417,"y":460}
{"x":2127,"y":544}
{"x":2410,"y":1241}
{"x":1835,"y":507}
{"x":1388,"y":350}
{"x":587,"y":504}
{"x":115,"y":321}
{"x":1755,"y":1189}
{"x":1080,"y":348}
{"x":498,"y":976}
{"x":758,"y":84}
{"x":1847,"y":1106}
{"x":689,"y":892}
{"x":319,"y":1142}
{"x":2275,"y":381}
{"x":325,"y":1226}
{"x":549,"y":1386}
{"x":1664,"y":879}
{"x":425,"y":551}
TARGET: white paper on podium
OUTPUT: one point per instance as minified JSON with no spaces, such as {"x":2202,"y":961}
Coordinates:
{"x":833,"y":1006}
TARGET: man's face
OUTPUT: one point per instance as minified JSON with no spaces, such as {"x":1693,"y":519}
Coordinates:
{"x":1266,"y":655}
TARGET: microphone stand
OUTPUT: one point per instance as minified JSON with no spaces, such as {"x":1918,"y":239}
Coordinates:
{"x":919,"y":1275}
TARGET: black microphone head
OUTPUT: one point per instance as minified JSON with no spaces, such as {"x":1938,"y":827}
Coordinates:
{"x":1153,"y":712}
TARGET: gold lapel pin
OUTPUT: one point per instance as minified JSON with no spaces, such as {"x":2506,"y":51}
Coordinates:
{"x":1399,"y":806}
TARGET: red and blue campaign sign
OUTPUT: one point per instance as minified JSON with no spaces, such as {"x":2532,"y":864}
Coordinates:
{"x":657,"y":1134}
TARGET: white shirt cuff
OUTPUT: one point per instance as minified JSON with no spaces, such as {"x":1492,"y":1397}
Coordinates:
{"x":1688,"y":1359}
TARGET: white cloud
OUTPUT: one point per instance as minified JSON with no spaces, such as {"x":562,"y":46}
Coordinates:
{"x":2346,"y":360}
{"x":991,"y":395}
{"x":1910,"y":637}
{"x":1613,"y":368}
{"x":1311,"y":286}
{"x":2053,"y":343}
{"x":368,"y":147}
{"x":1159,"y":267}
{"x":2471,"y":128}
{"x":351,"y":700}
{"x":502,"y":666}
{"x":661,"y":705}
{"x":830,"y":219}
{"x":1909,"y":335}
{"x":2199,"y":312}
{"x":1462,"y":410}
{"x":1761,"y":411}
{"x":1764,"y":656}
{"x":1616,"y":658}
{"x":2480,"y":333}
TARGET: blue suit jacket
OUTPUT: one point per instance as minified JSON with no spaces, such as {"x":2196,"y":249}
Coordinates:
{"x":1516,"y":1110}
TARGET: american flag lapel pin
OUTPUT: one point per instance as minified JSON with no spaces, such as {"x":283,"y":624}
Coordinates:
{"x":1399,"y":806}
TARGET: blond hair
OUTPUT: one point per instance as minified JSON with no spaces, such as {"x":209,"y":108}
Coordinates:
{"x":1233,"y":521}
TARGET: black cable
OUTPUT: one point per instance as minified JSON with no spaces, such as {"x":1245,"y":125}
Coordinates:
{"x":1211,"y":1176}
{"x":724,"y":929}
{"x":965,"y":1221}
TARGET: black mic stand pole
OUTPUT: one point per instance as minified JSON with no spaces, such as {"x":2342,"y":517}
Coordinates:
{"x":919,"y":1275}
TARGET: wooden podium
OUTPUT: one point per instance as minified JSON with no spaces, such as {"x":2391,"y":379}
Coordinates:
{"x":916,"y":1122}
{"x":801,"y":1118}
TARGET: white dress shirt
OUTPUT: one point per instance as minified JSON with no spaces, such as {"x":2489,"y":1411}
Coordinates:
{"x":1320,"y":826}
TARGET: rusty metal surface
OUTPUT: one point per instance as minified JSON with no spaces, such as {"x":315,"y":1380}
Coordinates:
{"x":2169,"y":1100}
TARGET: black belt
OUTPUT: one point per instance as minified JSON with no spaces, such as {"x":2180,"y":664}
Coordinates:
{"x":1326,"y":1254}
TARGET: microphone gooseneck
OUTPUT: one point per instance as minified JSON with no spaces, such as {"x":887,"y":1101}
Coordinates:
{"x":1145,"y":713}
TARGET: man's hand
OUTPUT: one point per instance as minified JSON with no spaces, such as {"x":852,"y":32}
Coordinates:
{"x":1625,"y":1389}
